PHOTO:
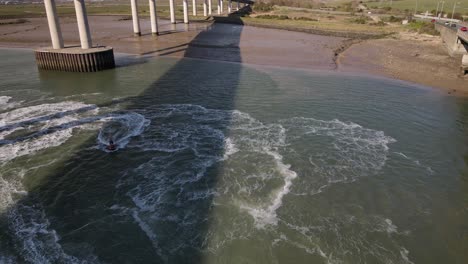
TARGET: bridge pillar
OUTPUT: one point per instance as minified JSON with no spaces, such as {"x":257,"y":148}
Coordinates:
{"x":185,"y":5}
{"x":54,"y":25}
{"x":83,"y":26}
{"x":219,"y":7}
{"x":229,"y":6}
{"x":209,"y":7}
{"x":73,"y":59}
{"x":194,"y":7}
{"x":238,"y":5}
{"x":172,"y":11}
{"x":222,"y":6}
{"x":153,"y":17}
{"x":205,"y":7}
{"x":135,"y":19}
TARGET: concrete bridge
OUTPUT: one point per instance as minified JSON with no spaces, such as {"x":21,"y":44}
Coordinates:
{"x":456,"y":42}
{"x":463,"y":37}
{"x":89,"y":58}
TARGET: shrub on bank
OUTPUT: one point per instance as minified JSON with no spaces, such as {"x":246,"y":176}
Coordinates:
{"x":423,"y":27}
{"x":262,"y":7}
{"x":305,"y":19}
{"x":394,"y":19}
{"x":379,"y":24}
{"x":359,"y":20}
{"x":281,"y":17}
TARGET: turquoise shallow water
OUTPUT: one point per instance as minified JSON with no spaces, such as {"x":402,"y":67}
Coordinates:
{"x":227,"y":163}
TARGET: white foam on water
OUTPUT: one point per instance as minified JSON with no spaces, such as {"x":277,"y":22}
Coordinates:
{"x":35,"y":240}
{"x":345,"y":152}
{"x":267,"y":216}
{"x":404,"y":255}
{"x":5,"y":103}
{"x":52,"y":125}
{"x":45,"y":126}
{"x":229,"y":148}
{"x":254,"y":176}
{"x":121,"y":128}
{"x":39,"y":119}
{"x":345,"y":239}
{"x":429,"y":170}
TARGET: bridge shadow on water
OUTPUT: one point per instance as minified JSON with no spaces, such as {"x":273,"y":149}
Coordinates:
{"x":134,"y":205}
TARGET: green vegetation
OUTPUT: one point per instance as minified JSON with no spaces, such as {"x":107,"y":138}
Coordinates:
{"x":305,"y":19}
{"x":263,"y":7}
{"x":359,"y":20}
{"x":423,"y":28}
{"x":281,"y":17}
{"x":394,"y":19}
{"x":408,"y":6}
{"x":378,"y":24}
{"x":294,"y":3}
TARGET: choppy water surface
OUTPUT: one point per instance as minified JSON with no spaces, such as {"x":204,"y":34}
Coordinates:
{"x":224,"y":163}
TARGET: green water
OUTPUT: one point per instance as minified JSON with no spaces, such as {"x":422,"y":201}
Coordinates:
{"x":226,"y":163}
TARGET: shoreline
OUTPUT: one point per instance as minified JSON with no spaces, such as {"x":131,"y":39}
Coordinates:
{"x":276,"y":67}
{"x":403,"y":56}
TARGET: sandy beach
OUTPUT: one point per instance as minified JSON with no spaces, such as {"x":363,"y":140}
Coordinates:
{"x":411,"y":57}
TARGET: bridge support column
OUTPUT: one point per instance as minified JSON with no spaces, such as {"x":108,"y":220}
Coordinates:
{"x":222,"y":6}
{"x":73,"y":59}
{"x":229,"y":6}
{"x":209,"y":7}
{"x":238,"y":5}
{"x":83,"y":26}
{"x":219,"y":7}
{"x":153,"y":17}
{"x":205,"y":7}
{"x":194,"y":7}
{"x":135,"y":19}
{"x":185,"y":5}
{"x":464,"y":66}
{"x":172,"y":11}
{"x":54,"y":25}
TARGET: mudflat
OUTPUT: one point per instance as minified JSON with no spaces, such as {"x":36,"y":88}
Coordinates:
{"x":411,"y":57}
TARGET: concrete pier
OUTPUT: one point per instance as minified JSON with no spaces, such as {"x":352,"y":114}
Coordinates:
{"x":172,"y":11}
{"x":464,"y":66}
{"x":219,"y":7}
{"x":222,"y":6}
{"x":54,"y":25}
{"x":238,"y":6}
{"x":205,"y":7}
{"x":136,"y":20}
{"x":229,"y":6}
{"x":185,"y":5}
{"x":194,"y":7}
{"x":75,"y":59}
{"x":210,"y":9}
{"x":83,"y":26}
{"x":153,"y":17}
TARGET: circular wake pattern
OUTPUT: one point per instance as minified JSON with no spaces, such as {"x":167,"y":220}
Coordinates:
{"x":28,"y":130}
{"x":214,"y":178}
{"x":230,"y":171}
